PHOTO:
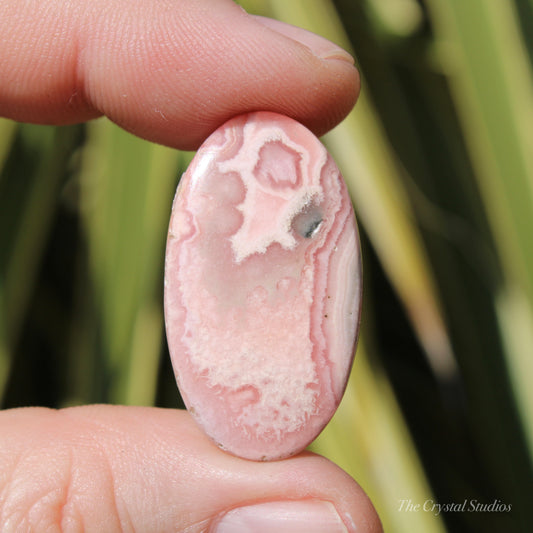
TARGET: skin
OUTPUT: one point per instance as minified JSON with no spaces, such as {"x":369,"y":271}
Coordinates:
{"x":149,"y":67}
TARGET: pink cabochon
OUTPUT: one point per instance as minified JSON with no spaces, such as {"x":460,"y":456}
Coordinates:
{"x":262,"y":286}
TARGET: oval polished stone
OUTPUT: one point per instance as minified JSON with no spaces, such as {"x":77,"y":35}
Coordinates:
{"x":262,"y":286}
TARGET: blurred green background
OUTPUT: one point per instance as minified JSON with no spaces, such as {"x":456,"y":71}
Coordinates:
{"x":438,"y":157}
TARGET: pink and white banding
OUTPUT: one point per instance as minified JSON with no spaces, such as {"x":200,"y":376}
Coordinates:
{"x":262,"y":286}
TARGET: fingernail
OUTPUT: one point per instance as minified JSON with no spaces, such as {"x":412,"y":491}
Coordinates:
{"x":318,"y":45}
{"x":308,"y":516}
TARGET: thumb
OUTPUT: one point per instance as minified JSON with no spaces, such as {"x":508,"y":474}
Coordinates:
{"x":111,"y":468}
{"x":170,"y":71}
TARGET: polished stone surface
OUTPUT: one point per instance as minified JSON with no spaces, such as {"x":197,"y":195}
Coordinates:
{"x":262,"y":286}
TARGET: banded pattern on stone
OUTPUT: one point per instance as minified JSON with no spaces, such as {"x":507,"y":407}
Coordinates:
{"x":262,"y":286}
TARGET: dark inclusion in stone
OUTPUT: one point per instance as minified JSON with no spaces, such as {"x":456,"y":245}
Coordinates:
{"x":313,"y":227}
{"x":307,"y":222}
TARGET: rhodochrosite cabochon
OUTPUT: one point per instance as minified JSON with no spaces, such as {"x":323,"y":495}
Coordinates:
{"x":262,"y":286}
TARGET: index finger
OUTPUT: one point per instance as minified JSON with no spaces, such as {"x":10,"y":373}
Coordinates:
{"x":168,"y":71}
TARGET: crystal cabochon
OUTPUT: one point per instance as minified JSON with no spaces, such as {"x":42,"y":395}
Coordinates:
{"x":262,"y":286}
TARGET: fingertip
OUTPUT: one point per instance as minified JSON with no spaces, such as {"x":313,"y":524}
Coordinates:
{"x":350,"y":499}
{"x":293,"y":72}
{"x":154,"y":470}
{"x":170,"y":72}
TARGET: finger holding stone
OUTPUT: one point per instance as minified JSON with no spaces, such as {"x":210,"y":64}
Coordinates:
{"x":170,"y":71}
{"x":114,"y":468}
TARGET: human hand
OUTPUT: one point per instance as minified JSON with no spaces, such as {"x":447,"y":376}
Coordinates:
{"x":151,"y":68}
